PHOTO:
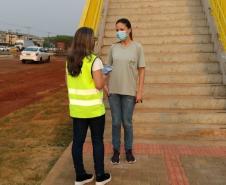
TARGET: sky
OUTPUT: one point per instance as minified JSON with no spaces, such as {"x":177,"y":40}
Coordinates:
{"x":42,"y":17}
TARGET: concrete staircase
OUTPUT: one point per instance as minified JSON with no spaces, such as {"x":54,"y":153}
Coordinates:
{"x":184,"y":96}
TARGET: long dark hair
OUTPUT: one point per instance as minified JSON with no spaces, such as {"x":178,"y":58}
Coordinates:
{"x":82,"y":46}
{"x":127,"y":23}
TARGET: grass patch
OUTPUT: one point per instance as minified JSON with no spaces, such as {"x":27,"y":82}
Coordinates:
{"x":32,"y":139}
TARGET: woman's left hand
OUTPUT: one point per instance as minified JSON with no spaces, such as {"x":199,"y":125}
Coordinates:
{"x":139,"y":97}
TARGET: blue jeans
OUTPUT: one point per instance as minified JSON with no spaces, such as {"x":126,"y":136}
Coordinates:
{"x":122,"y":107}
{"x":80,"y":127}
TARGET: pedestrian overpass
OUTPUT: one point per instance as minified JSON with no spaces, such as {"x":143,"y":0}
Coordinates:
{"x":184,"y":43}
{"x":182,"y":119}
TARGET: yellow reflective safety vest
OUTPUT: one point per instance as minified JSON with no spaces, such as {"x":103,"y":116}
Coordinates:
{"x":85,"y":101}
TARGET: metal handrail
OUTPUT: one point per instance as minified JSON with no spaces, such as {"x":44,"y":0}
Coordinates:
{"x":91,"y":14}
{"x":218,"y":8}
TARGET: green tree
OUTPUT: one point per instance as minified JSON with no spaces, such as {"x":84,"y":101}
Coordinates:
{"x":52,"y":41}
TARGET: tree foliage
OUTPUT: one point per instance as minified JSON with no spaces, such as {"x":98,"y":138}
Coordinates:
{"x":52,"y":41}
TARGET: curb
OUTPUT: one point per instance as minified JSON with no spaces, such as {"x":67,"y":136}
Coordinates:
{"x":61,"y":169}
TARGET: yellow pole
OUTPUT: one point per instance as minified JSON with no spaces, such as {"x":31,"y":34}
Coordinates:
{"x":91,"y":14}
{"x":219,"y":13}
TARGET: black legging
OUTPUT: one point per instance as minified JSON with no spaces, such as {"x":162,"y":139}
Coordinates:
{"x":80,"y":127}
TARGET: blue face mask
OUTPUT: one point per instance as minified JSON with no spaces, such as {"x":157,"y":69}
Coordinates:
{"x":121,"y":35}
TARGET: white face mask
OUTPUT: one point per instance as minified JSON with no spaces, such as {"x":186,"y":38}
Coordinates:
{"x":121,"y":35}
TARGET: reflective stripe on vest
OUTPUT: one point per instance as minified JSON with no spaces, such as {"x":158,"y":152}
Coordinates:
{"x":83,"y":92}
{"x":85,"y":102}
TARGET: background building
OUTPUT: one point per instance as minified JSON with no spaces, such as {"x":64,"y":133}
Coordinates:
{"x":10,"y":38}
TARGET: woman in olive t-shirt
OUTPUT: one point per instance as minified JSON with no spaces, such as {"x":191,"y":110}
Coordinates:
{"x":125,"y":87}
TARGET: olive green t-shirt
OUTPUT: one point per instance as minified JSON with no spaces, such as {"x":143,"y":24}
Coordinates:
{"x":125,"y":61}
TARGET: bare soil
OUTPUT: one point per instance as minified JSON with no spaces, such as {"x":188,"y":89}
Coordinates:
{"x":23,"y":84}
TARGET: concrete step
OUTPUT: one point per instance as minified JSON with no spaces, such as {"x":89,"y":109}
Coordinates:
{"x":158,"y":17}
{"x":182,"y":117}
{"x":179,"y":131}
{"x":154,"y":4}
{"x":179,"y":57}
{"x":186,"y":68}
{"x":185,"y":90}
{"x":164,"y":32}
{"x":163,"y":24}
{"x":172,"y":48}
{"x":183,"y":78}
{"x":182,"y":102}
{"x":150,"y":11}
{"x":176,"y":116}
{"x":186,"y":39}
{"x":201,"y":135}
{"x":184,"y":124}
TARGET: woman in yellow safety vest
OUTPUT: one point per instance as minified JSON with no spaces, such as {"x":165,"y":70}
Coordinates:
{"x":85,"y":82}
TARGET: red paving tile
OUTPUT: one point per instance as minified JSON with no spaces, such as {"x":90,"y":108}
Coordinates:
{"x":171,"y":155}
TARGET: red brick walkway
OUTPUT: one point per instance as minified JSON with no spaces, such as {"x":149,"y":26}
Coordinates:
{"x":171,"y":155}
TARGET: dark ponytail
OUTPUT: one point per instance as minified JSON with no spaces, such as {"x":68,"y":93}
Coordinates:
{"x":127,"y":23}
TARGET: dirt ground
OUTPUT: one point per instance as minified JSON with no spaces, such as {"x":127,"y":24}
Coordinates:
{"x":34,"y":124}
{"x":22,"y":84}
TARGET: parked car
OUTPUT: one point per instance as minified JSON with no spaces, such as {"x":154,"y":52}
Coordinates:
{"x":4,"y":48}
{"x":34,"y":53}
